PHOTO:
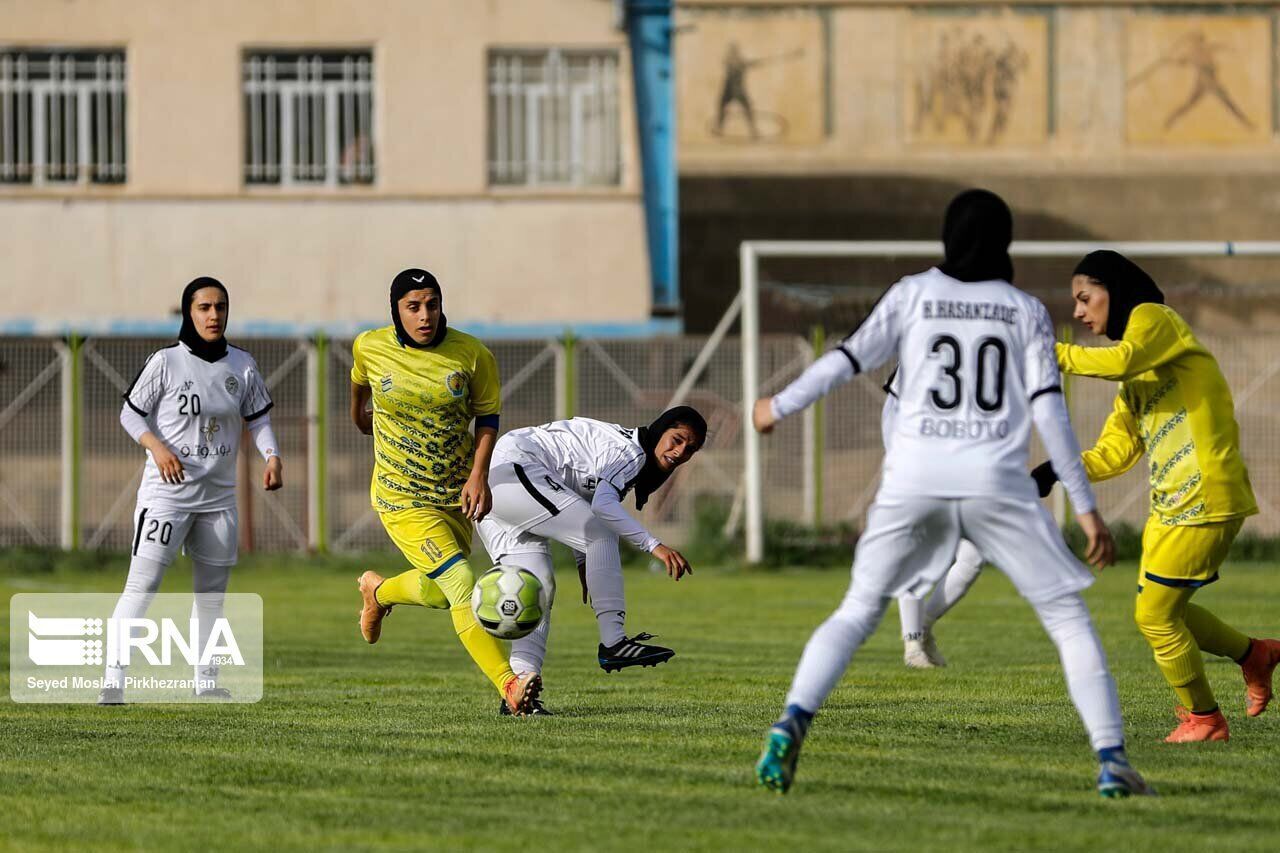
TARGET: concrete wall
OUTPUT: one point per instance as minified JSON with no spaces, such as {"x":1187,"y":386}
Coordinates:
{"x":315,"y":255}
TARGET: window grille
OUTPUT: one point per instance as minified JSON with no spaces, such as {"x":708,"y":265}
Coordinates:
{"x":62,"y":117}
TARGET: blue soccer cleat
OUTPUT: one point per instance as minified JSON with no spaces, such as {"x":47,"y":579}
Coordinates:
{"x":1117,"y":779}
{"x":776,"y":769}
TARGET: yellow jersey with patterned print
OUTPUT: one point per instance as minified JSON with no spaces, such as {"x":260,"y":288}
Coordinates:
{"x":423,"y":404}
{"x":1173,"y":404}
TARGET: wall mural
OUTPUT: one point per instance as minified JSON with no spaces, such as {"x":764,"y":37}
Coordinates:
{"x":976,"y":81}
{"x":750,"y":80}
{"x":1198,"y":78}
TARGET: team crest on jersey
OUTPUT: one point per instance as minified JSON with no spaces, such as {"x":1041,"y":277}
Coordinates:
{"x":386,"y":383}
{"x":456,"y":383}
{"x":233,"y":385}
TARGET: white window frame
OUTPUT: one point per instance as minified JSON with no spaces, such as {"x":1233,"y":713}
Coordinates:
{"x":109,"y":88}
{"x":259,"y":77}
{"x":528,"y":150}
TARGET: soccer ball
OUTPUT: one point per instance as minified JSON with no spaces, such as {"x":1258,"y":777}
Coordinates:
{"x":509,"y":602}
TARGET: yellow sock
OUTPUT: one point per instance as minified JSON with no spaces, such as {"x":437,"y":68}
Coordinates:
{"x":1215,"y":636}
{"x":1160,"y":614}
{"x":485,"y":649}
{"x":1197,"y":696}
{"x":404,"y":588}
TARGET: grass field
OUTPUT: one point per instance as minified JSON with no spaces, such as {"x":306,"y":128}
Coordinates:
{"x":399,"y":745}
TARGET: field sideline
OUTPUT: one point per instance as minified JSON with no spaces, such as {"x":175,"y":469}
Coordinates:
{"x":399,"y":745}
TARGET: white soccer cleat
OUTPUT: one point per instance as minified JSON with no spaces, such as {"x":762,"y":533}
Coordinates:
{"x":922,"y":653}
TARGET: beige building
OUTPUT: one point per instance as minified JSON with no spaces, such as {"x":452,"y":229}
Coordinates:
{"x":304,"y":152}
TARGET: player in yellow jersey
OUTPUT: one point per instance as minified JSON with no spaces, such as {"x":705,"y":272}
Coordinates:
{"x":1173,"y":404}
{"x":430,"y":474}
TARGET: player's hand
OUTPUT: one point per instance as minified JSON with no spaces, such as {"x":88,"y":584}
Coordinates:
{"x":273,"y":476}
{"x":1045,"y":477}
{"x":1101,"y":550}
{"x":477,"y":500}
{"x":762,"y":415}
{"x":170,"y":468}
{"x":677,"y":565}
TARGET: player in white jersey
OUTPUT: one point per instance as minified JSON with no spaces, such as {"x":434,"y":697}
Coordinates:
{"x":917,"y":617}
{"x":566,"y":481}
{"x":188,"y":407}
{"x":977,"y":364}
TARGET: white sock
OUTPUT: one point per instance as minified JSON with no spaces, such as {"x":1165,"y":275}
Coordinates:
{"x":604,"y":582}
{"x":911,"y":615}
{"x":210,"y":584}
{"x":529,"y":652}
{"x":1084,"y":663}
{"x":139,"y":588}
{"x":955,"y":583}
{"x":831,"y":647}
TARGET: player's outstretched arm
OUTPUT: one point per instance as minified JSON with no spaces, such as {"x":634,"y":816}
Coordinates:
{"x":1151,"y":339}
{"x":361,"y":414}
{"x":607,"y":505}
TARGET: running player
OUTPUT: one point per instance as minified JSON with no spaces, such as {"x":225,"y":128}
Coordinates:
{"x":976,"y":356}
{"x":566,"y":481}
{"x":1172,"y":404}
{"x":427,"y":382}
{"x":916,"y":616}
{"x":188,"y":406}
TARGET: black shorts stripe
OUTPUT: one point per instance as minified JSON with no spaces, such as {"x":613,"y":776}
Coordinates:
{"x":1052,"y":389}
{"x":137,"y":534}
{"x":537,"y":496}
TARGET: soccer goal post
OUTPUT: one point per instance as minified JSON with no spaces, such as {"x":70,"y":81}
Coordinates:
{"x":751,"y":252}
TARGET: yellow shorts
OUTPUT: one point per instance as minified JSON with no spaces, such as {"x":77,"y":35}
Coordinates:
{"x":430,"y":539}
{"x":1186,"y":555}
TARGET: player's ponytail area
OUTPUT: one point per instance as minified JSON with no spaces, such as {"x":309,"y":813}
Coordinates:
{"x":399,"y":744}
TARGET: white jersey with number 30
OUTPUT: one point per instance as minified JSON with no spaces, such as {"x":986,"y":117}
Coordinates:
{"x":973,"y":356}
{"x":198,"y":409}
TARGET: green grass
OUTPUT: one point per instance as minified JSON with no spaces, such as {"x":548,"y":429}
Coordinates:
{"x":399,"y":745}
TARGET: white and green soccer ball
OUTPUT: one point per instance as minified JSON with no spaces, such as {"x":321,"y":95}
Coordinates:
{"x":509,"y":602}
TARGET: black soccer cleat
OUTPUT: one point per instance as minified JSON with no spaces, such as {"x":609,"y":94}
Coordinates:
{"x":111,"y":696}
{"x":536,"y":709}
{"x":633,"y":651}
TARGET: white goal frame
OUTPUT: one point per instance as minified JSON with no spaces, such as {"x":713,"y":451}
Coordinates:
{"x":750,"y":252}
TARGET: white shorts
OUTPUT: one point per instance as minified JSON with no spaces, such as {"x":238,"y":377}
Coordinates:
{"x":211,"y":538}
{"x":525,"y":495}
{"x":910,"y":543}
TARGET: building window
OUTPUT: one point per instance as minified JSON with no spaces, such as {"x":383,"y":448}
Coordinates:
{"x":62,"y":117}
{"x":553,"y":118}
{"x":308,"y":118}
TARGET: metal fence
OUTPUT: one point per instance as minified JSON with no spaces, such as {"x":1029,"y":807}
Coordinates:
{"x":69,"y":473}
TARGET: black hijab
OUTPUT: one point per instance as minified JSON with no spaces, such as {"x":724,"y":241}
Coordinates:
{"x":404,"y":282}
{"x":210,"y":351}
{"x":1127,"y":284}
{"x":651,"y":476}
{"x":976,"y":234}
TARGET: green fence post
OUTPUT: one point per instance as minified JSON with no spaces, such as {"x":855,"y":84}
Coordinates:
{"x":818,"y":337}
{"x":568,"y":376}
{"x":321,"y":484}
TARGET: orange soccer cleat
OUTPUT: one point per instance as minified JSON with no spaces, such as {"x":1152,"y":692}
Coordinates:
{"x":1195,"y":728}
{"x":372,"y":613}
{"x":1257,"y":668}
{"x":521,"y":691}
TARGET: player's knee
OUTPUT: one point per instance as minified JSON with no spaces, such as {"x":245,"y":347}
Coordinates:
{"x":1159,"y":627}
